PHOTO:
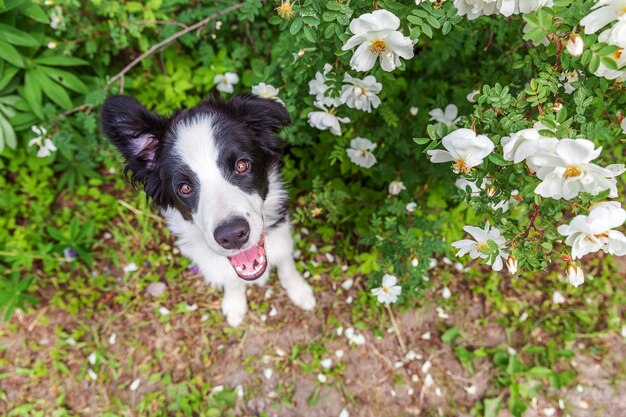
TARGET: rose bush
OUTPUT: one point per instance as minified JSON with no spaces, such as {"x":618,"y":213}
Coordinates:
{"x":524,"y":98}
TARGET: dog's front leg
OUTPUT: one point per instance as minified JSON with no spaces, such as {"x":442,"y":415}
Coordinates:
{"x":234,"y":303}
{"x":280,"y":251}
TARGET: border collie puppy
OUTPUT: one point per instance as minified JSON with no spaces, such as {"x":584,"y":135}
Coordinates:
{"x":214,"y":172}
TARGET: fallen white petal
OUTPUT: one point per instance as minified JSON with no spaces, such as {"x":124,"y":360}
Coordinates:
{"x":135,"y":384}
{"x":92,"y":374}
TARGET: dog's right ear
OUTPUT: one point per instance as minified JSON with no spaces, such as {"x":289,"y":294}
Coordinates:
{"x":135,"y":132}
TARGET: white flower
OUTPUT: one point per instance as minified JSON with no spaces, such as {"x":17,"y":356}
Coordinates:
{"x":327,"y":68}
{"x":326,"y":363}
{"x":465,"y":148}
{"x":164,"y":311}
{"x":57,"y":21}
{"x":471,"y":97}
{"x":92,"y":358}
{"x":575,"y":45}
{"x":410,"y":207}
{"x":326,"y":119}
{"x":361,"y":94}
{"x":322,"y":378}
{"x":509,"y":7}
{"x":354,"y":338}
{"x":482,"y":238}
{"x":360,"y":153}
{"x":594,"y":232}
{"x":475,"y":8}
{"x":388,"y":292}
{"x":131,"y":267}
{"x":135,"y":384}
{"x":52,"y":45}
{"x":46,"y":146}
{"x":267,"y":91}
{"x":225,"y":82}
{"x":524,"y":144}
{"x":395,"y":187}
{"x":604,"y":12}
{"x":567,"y":79}
{"x":413,"y":111}
{"x":446,"y":293}
{"x":616,"y":35}
{"x":558,"y":298}
{"x":377,"y":35}
{"x":318,"y":88}
{"x":511,"y":264}
{"x":575,"y":274}
{"x":568,"y":171}
{"x":447,"y":117}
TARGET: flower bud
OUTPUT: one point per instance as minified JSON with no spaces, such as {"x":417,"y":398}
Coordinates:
{"x":575,"y":45}
{"x":395,"y":187}
{"x":327,"y":68}
{"x":557,"y":107}
{"x":511,"y":264}
{"x":414,"y":262}
{"x":574,"y":274}
{"x":413,"y":111}
{"x":491,"y":191}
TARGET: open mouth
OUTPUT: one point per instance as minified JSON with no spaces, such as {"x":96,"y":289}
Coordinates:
{"x":250,"y":264}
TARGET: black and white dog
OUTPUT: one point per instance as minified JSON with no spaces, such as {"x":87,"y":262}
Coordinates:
{"x":214,"y":172}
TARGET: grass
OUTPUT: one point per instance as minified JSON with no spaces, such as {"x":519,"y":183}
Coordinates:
{"x":101,"y":345}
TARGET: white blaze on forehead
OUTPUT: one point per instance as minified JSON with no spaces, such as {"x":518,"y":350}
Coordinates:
{"x":195,"y":144}
{"x":218,"y":199}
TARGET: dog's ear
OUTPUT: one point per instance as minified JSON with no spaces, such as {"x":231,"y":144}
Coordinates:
{"x":135,"y":132}
{"x":265,"y":117}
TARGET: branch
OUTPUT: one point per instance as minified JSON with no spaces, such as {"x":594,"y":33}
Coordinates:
{"x":171,"y":39}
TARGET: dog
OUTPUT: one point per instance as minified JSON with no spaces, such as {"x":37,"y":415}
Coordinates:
{"x":213,"y":171}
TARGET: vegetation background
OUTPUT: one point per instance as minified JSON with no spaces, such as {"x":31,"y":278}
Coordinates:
{"x":103,"y":317}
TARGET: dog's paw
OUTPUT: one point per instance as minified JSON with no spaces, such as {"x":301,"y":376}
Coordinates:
{"x":235,"y":310}
{"x":302,"y":295}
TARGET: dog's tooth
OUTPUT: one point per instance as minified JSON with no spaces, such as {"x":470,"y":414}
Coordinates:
{"x":239,"y":268}
{"x":261,"y":259}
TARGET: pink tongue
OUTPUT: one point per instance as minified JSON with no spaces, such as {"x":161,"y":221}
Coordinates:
{"x":246,"y":258}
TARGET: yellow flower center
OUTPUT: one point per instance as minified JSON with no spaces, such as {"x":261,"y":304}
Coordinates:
{"x":621,"y":11}
{"x":362,"y":91}
{"x":572,"y":171}
{"x":460,"y":167}
{"x":363,"y":153}
{"x":617,"y":54}
{"x":285,"y":11}
{"x":598,"y":236}
{"x":378,"y":46}
{"x":385,"y":290}
{"x":481,"y":246}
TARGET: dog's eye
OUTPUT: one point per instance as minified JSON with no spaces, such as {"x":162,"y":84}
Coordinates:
{"x":185,"y":189}
{"x":242,"y":166}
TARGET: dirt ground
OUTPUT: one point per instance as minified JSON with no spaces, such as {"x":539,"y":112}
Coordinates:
{"x":378,"y":378}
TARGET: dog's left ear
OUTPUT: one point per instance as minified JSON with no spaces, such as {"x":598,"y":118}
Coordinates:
{"x":264,"y":117}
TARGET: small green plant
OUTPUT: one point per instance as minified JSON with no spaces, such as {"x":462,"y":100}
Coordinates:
{"x":13,"y":294}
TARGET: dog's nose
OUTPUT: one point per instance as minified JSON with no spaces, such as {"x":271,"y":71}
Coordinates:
{"x":233,"y":234}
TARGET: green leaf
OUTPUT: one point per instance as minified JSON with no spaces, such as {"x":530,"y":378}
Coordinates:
{"x":8,"y":75}
{"x":295,"y":27}
{"x":59,"y":61}
{"x":54,"y":91}
{"x":310,"y":34}
{"x":10,"y":54}
{"x":609,"y":63}
{"x":66,"y":79}
{"x":16,"y":36}
{"x":491,"y":407}
{"x":35,"y":12}
{"x":451,"y":335}
{"x":421,"y":141}
{"x":499,"y":160}
{"x":32,"y":94}
{"x":7,"y":134}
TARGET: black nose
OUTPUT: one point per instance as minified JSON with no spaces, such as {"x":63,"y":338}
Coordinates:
{"x":233,"y":234}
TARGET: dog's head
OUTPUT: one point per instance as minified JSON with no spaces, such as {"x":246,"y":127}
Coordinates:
{"x":214,"y":163}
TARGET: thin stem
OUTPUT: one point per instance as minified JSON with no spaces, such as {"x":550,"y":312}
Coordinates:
{"x":396,"y":328}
